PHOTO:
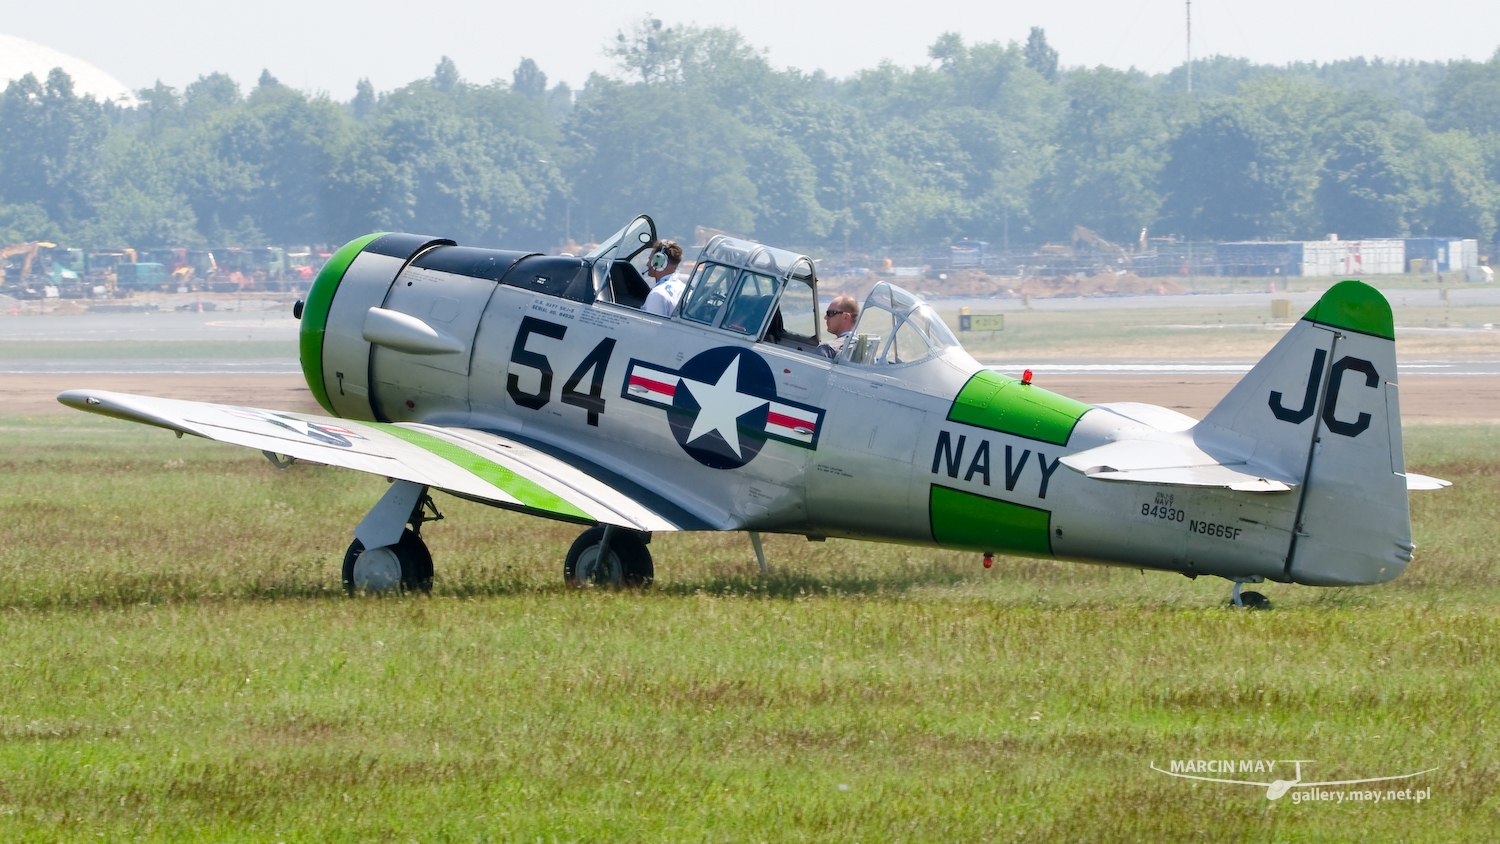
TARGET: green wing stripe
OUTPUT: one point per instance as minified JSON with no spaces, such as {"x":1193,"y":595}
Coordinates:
{"x":1001,"y":403}
{"x":1354,"y":306}
{"x":965,"y":520}
{"x":315,"y":316}
{"x":526,"y":491}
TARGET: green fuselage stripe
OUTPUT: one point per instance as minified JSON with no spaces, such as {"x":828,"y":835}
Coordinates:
{"x":526,"y":491}
{"x":315,"y":316}
{"x":974,"y":522}
{"x":1001,"y":403}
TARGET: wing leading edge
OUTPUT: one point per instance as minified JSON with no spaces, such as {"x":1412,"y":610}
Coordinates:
{"x":465,"y":462}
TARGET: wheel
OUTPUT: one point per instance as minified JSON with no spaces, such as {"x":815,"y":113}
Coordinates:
{"x":1254,"y":601}
{"x":628,"y":563}
{"x":405,"y":566}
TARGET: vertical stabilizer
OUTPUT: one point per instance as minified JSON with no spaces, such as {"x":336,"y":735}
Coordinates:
{"x":1323,"y":407}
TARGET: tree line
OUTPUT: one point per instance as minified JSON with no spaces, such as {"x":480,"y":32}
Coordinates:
{"x":991,"y":141}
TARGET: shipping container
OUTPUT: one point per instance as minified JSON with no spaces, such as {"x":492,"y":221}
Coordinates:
{"x":1351,"y":258}
{"x":1470,"y":253}
{"x":1276,"y":258}
{"x":967,"y":253}
{"x":1442,"y":254}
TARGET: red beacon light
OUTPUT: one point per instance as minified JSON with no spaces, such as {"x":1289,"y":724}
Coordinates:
{"x":1026,"y":378}
{"x":989,"y":559}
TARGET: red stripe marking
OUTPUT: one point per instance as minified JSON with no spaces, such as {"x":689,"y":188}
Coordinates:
{"x":653,"y":386}
{"x":788,"y":421}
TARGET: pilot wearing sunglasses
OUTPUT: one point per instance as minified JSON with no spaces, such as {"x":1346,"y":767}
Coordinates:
{"x":839,"y":319}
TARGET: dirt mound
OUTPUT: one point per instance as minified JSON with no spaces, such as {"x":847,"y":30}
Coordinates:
{"x":1103,"y":284}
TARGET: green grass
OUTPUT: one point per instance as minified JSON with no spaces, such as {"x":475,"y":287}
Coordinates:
{"x":178,"y":662}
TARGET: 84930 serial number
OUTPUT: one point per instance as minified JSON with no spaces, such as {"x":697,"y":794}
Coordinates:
{"x":1161,"y":511}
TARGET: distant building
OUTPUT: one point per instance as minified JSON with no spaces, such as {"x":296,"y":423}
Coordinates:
{"x":1441,"y":254}
{"x":967,"y":253}
{"x":1376,"y":256}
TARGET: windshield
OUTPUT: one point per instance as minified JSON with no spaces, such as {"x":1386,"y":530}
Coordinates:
{"x":640,"y":233}
{"x":896,"y":327}
{"x":623,"y":244}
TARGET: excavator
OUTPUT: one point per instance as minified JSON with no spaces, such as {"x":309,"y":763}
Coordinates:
{"x":1118,"y":257}
{"x":20,"y":289}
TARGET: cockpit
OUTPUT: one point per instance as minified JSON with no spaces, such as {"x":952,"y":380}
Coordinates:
{"x":771,"y":295}
{"x":761,"y":291}
{"x":895,"y":327}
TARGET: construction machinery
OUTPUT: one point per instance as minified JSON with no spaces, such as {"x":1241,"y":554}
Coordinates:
{"x":1117,"y":257}
{"x":18,"y":281}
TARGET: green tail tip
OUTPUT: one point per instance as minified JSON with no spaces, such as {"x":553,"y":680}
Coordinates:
{"x":1355,"y":306}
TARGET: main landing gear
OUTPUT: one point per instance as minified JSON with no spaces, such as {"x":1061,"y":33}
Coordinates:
{"x":609,"y":556}
{"x":386,"y":555}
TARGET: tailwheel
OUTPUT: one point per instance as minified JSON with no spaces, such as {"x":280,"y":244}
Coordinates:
{"x":609,"y":557}
{"x":403,"y":567}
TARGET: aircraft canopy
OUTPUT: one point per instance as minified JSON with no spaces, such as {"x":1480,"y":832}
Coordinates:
{"x":896,"y":327}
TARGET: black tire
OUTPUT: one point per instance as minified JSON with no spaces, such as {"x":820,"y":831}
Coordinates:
{"x":1255,"y":601}
{"x":630,"y":564}
{"x":412,"y":556}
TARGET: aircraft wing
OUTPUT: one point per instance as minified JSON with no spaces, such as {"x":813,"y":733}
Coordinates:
{"x":465,"y":462}
{"x":1157,"y":462}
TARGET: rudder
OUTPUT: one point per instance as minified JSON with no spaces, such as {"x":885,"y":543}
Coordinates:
{"x":1322,"y":408}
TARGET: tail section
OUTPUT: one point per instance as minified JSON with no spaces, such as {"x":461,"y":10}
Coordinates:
{"x":1323,"y":407}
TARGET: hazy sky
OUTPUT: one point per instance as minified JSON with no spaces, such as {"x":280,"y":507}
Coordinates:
{"x":327,"y":45}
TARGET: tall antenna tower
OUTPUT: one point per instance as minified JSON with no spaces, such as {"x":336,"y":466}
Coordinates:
{"x":1190,"y":45}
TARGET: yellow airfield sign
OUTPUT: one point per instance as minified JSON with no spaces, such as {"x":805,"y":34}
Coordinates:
{"x":981,"y":322}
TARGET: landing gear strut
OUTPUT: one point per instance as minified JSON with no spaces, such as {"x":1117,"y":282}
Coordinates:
{"x":611,"y":557}
{"x":1249,"y":600}
{"x":381,"y":559}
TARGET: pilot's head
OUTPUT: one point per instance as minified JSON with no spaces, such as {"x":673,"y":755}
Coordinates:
{"x":664,"y":260}
{"x":841,"y":315}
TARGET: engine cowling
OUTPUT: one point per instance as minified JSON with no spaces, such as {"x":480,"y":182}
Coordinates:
{"x":389,"y":326}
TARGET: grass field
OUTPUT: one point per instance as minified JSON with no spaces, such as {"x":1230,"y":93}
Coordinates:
{"x":178,"y":662}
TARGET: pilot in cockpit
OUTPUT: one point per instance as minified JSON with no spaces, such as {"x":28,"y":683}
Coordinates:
{"x":661,"y":274}
{"x":842,"y":313}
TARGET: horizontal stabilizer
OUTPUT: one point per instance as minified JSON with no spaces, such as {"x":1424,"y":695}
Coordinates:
{"x":1170,"y":462}
{"x":1415,"y":481}
{"x":469,"y":463}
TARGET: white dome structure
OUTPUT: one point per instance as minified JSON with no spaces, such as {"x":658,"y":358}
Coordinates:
{"x":19,"y":57}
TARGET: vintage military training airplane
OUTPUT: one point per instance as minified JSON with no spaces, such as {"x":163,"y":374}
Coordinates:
{"x":535,"y":383}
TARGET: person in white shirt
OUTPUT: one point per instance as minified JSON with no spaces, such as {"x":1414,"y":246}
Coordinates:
{"x":661,"y":274}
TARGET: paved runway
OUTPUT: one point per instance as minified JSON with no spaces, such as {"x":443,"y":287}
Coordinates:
{"x":150,"y":366}
{"x":276,"y":323}
{"x":167,"y":325}
{"x":1227,"y":368}
{"x":1457,"y":296}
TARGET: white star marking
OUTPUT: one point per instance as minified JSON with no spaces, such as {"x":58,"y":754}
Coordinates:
{"x":721,"y":405}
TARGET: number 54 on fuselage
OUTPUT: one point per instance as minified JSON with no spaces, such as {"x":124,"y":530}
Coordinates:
{"x":537,"y":383}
